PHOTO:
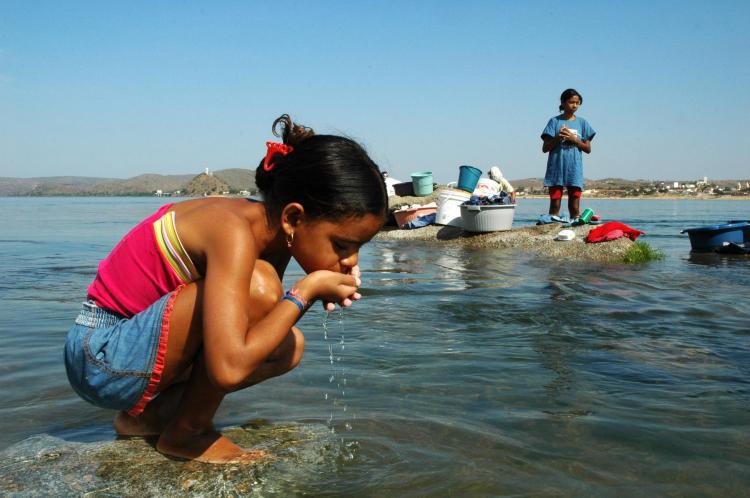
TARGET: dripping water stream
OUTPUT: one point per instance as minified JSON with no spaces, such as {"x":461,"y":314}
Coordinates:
{"x":340,"y":416}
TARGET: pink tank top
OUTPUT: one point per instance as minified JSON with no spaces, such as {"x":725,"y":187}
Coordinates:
{"x":146,"y":264}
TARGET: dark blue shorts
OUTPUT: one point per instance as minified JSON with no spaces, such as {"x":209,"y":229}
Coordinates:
{"x":116,"y":362}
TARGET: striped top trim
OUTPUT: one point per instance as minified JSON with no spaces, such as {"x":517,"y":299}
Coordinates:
{"x":172,"y":249}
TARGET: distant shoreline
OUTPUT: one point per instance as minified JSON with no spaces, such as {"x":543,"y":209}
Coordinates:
{"x":534,"y":196}
{"x":655,"y":197}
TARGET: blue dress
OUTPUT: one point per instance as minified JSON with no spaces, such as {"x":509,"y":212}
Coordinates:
{"x":565,"y":162}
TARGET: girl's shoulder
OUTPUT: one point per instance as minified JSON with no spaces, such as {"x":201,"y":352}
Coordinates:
{"x":218,"y":221}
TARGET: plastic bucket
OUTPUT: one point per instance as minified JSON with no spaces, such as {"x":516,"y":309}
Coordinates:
{"x":449,"y":207}
{"x":422,"y":183}
{"x":468,"y":177}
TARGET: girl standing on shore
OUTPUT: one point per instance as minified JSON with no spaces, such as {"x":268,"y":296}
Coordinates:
{"x":564,"y":137}
{"x":189,"y":305}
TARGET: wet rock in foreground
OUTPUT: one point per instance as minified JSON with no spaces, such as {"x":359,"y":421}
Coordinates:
{"x":44,"y":465}
{"x":538,"y":239}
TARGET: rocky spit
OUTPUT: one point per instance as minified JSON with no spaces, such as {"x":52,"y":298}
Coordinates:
{"x":536,"y":239}
{"x":539,"y":240}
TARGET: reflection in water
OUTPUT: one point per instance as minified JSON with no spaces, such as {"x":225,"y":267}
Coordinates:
{"x":739,"y":261}
{"x":557,"y":347}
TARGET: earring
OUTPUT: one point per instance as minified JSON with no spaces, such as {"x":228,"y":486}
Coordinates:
{"x":289,"y":240}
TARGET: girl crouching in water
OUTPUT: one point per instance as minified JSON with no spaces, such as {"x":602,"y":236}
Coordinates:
{"x":189,"y":305}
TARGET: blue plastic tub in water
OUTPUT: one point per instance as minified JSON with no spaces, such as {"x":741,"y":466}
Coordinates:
{"x":745,"y":231}
{"x":711,"y":237}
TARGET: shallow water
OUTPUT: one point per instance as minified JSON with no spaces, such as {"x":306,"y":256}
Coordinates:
{"x":479,"y":372}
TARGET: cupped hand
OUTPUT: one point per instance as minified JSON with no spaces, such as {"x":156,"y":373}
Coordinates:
{"x":357,"y":274}
{"x":330,"y":287}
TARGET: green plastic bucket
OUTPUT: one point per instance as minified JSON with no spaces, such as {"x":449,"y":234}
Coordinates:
{"x":422,"y":183}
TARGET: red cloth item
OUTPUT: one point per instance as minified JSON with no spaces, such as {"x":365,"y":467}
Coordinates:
{"x":612,"y":230}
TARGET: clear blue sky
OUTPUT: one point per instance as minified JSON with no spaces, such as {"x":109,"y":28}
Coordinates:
{"x":118,"y":89}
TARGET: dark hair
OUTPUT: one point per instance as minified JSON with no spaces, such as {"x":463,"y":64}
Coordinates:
{"x":567,"y":94}
{"x":331,"y":176}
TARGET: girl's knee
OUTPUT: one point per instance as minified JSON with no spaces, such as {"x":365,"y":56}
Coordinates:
{"x":265,"y":290}
{"x":298,"y":346}
{"x":289,"y":353}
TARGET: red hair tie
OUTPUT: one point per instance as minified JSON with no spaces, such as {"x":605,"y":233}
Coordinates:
{"x":275,"y":148}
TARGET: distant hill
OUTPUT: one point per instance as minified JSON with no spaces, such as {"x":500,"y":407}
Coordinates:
{"x":603,"y":184}
{"x":204,"y":184}
{"x":25,"y":186}
{"x":238,"y":178}
{"x":233,"y":180}
{"x":141,"y":185}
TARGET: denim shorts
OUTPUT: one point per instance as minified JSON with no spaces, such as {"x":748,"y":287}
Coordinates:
{"x":117,"y":362}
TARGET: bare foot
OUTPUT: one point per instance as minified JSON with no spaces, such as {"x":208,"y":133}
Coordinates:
{"x":207,"y":447}
{"x":142,"y":425}
{"x":155,"y":416}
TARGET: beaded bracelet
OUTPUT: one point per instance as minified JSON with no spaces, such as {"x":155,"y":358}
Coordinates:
{"x":293,"y":295}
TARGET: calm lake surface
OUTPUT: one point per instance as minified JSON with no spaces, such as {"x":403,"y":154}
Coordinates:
{"x":463,"y":373}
